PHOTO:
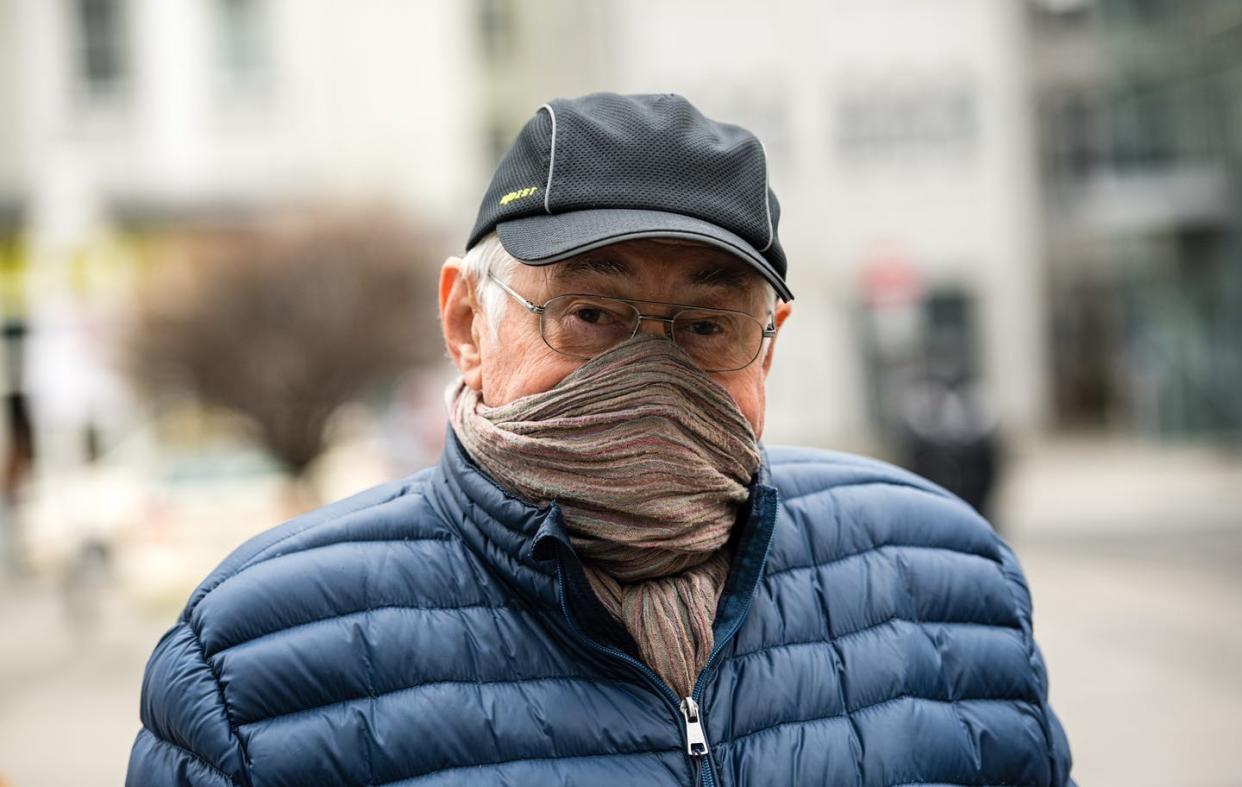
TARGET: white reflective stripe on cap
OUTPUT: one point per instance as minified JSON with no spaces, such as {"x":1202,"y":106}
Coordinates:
{"x":547,"y":191}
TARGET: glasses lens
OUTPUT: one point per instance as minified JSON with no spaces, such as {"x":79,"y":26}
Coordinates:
{"x":718,"y":341}
{"x":587,"y":325}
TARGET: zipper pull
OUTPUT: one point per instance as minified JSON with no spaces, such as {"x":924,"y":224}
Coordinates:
{"x":696,"y":741}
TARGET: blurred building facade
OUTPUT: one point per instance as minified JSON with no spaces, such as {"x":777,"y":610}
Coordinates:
{"x":130,"y":123}
{"x":1038,"y":199}
{"x":1140,"y":107}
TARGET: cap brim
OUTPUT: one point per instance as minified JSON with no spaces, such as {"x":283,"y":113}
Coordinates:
{"x":544,"y":239}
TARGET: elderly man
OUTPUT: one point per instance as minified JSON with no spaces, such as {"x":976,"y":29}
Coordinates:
{"x":608,"y":580}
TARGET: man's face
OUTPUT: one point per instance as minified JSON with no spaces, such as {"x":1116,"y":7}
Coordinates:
{"x":517,"y":362}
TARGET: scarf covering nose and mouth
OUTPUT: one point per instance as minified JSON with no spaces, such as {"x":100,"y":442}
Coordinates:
{"x":648,"y":459}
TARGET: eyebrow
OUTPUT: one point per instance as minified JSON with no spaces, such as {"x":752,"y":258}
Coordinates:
{"x":599,"y":265}
{"x":724,"y":278}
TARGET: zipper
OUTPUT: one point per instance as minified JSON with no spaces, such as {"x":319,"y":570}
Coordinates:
{"x":696,"y":742}
{"x":693,"y":717}
{"x":688,"y":707}
{"x":696,"y":695}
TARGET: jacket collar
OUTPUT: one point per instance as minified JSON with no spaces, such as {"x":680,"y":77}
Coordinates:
{"x":529,"y":547}
{"x":499,"y":527}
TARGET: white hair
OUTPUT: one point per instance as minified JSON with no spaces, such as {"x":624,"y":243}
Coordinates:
{"x":489,"y":256}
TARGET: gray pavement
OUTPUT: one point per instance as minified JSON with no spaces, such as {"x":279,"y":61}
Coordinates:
{"x":1144,"y":654}
{"x":70,"y":678}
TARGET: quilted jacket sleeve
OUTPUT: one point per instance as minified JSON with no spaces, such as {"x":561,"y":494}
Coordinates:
{"x":186,"y":738}
{"x":1058,"y":744}
{"x":1060,"y":753}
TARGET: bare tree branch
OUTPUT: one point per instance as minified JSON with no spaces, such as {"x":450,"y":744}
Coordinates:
{"x":283,"y":326}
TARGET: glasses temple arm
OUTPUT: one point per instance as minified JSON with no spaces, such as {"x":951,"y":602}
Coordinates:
{"x":531,"y":307}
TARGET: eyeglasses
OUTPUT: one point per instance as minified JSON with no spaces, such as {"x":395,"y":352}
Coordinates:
{"x":584,"y":326}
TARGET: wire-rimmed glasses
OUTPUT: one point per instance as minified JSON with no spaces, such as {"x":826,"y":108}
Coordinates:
{"x":582,"y":325}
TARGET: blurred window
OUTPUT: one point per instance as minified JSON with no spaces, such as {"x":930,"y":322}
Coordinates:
{"x":1141,"y":120}
{"x":102,"y":61}
{"x":1053,"y":15}
{"x":241,"y":39}
{"x":1070,"y":119}
{"x":1199,"y":118}
{"x":1142,"y":12}
{"x":876,"y":119}
{"x":496,"y":28}
{"x":499,"y":136}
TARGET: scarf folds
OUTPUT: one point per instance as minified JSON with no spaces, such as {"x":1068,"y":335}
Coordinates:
{"x":649,"y":460}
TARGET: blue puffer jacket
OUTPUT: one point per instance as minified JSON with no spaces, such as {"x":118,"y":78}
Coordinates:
{"x":437,"y":631}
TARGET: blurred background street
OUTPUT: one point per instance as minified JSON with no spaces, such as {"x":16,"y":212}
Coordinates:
{"x":1014,"y":228}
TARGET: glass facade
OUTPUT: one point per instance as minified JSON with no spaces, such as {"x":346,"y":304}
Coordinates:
{"x":1143,"y":184}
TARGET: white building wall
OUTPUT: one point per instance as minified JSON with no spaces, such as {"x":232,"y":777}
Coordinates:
{"x":383,"y":96}
{"x":370,"y":99}
{"x":783,"y":70}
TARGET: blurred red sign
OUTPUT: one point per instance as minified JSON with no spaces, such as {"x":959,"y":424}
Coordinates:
{"x":890,"y":278}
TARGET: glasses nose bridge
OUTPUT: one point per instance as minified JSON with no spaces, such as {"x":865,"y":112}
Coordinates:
{"x":667,"y":323}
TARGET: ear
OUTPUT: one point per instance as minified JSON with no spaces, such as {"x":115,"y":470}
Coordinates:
{"x":461,"y":320}
{"x":778,"y":319}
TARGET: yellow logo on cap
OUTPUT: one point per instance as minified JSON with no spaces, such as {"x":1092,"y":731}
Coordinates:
{"x":519,"y":194}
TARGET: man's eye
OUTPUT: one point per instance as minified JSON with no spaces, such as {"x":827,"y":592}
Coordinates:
{"x":593,"y":316}
{"x":706,"y":328}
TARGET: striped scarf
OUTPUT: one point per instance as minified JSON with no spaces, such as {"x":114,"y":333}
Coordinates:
{"x":648,"y":459}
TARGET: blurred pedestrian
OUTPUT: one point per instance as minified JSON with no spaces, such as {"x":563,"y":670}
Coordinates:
{"x":608,"y":579}
{"x":949,"y":435}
